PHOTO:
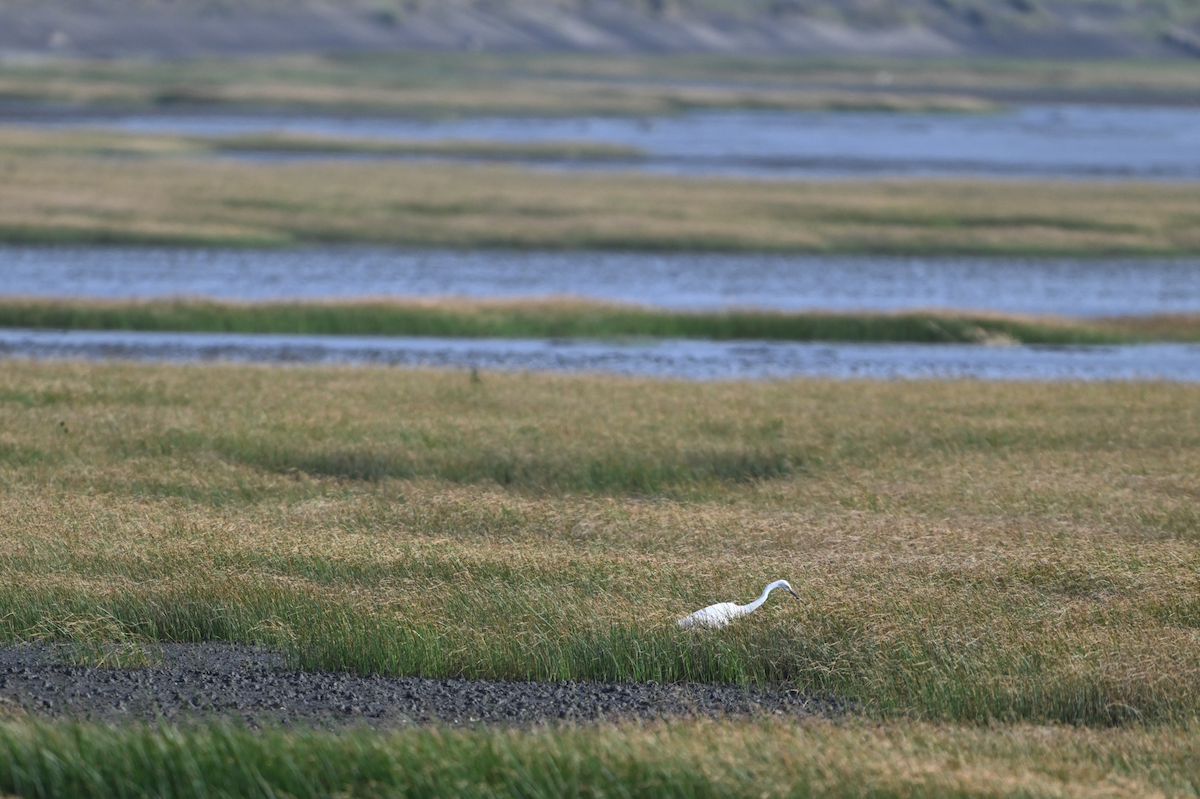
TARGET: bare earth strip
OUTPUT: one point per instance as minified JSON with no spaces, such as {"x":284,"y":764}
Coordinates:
{"x":214,"y":681}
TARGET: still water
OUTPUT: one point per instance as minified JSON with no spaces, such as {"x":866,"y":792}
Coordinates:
{"x":706,"y":360}
{"x":1096,"y":287}
{"x":1048,"y":141}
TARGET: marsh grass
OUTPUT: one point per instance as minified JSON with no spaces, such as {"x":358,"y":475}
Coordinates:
{"x":445,"y":83}
{"x":1176,"y":327}
{"x":98,"y":639}
{"x":31,"y":141}
{"x":568,"y":318}
{"x":448,"y":84}
{"x":767,"y":759}
{"x":170,"y":197}
{"x":964,"y":551}
{"x":459,"y":148}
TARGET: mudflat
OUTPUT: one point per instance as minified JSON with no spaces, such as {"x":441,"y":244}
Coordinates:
{"x":229,"y":681}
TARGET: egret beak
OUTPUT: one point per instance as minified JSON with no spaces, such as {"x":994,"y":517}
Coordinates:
{"x":793,"y":593}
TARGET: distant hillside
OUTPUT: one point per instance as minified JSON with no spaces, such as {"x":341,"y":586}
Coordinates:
{"x":1047,"y":28}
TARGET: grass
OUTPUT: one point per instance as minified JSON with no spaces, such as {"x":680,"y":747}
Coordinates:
{"x":1001,"y":575}
{"x":54,"y":189}
{"x":459,"y":148}
{"x":441,"y":84}
{"x":670,"y":760}
{"x":564,"y":318}
{"x":545,"y":83}
{"x":32,"y":142}
{"x":448,"y":84}
{"x":966,"y":552}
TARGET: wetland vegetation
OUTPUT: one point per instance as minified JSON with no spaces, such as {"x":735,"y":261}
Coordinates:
{"x":770,"y":759}
{"x":452,"y":84}
{"x":965,"y":551}
{"x":566,"y":318}
{"x":1001,"y":577}
{"x":447,"y":83}
{"x":153,"y":191}
{"x":975,"y":559}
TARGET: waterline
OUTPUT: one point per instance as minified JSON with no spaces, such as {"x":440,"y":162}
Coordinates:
{"x":670,"y":358}
{"x":1078,"y":287}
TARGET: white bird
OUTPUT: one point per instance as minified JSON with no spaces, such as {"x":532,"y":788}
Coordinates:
{"x":722,"y":613}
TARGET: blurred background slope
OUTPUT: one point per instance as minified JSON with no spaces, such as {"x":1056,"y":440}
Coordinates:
{"x":172,"y":28}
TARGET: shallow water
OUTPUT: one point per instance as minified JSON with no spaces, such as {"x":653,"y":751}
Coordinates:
{"x":1075,"y":287}
{"x":1049,"y":140}
{"x":659,"y":358}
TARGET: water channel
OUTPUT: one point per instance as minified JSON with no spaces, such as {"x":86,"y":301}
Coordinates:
{"x":687,"y":281}
{"x":1074,"y":141}
{"x":701,"y":281}
{"x":706,"y":360}
{"x":1042,"y":141}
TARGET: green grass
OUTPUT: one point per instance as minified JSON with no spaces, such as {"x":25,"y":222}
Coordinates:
{"x":769,"y":759}
{"x":575,"y":319}
{"x":965,"y":552}
{"x":1000,"y":576}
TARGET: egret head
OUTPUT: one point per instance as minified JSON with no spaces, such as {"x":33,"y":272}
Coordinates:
{"x":784,"y":584}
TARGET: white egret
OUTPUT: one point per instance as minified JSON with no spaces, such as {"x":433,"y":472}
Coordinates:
{"x":722,"y":613}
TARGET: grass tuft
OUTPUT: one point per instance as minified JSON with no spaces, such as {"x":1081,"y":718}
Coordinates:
{"x":699,"y":759}
{"x":559,"y":318}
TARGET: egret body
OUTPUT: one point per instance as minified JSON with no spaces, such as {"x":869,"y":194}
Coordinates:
{"x":722,"y":613}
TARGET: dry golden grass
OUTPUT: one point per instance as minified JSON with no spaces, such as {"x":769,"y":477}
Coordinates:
{"x":533,"y":97}
{"x":30,"y":142}
{"x":1180,"y":327}
{"x":545,"y":83}
{"x":452,"y":84}
{"x":965,"y":551}
{"x":57,"y":197}
{"x":1010,"y":77}
{"x":563,"y":97}
{"x":926,"y":760}
{"x":520,"y":96}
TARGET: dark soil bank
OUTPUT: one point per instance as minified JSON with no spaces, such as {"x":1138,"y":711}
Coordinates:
{"x":199,"y":681}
